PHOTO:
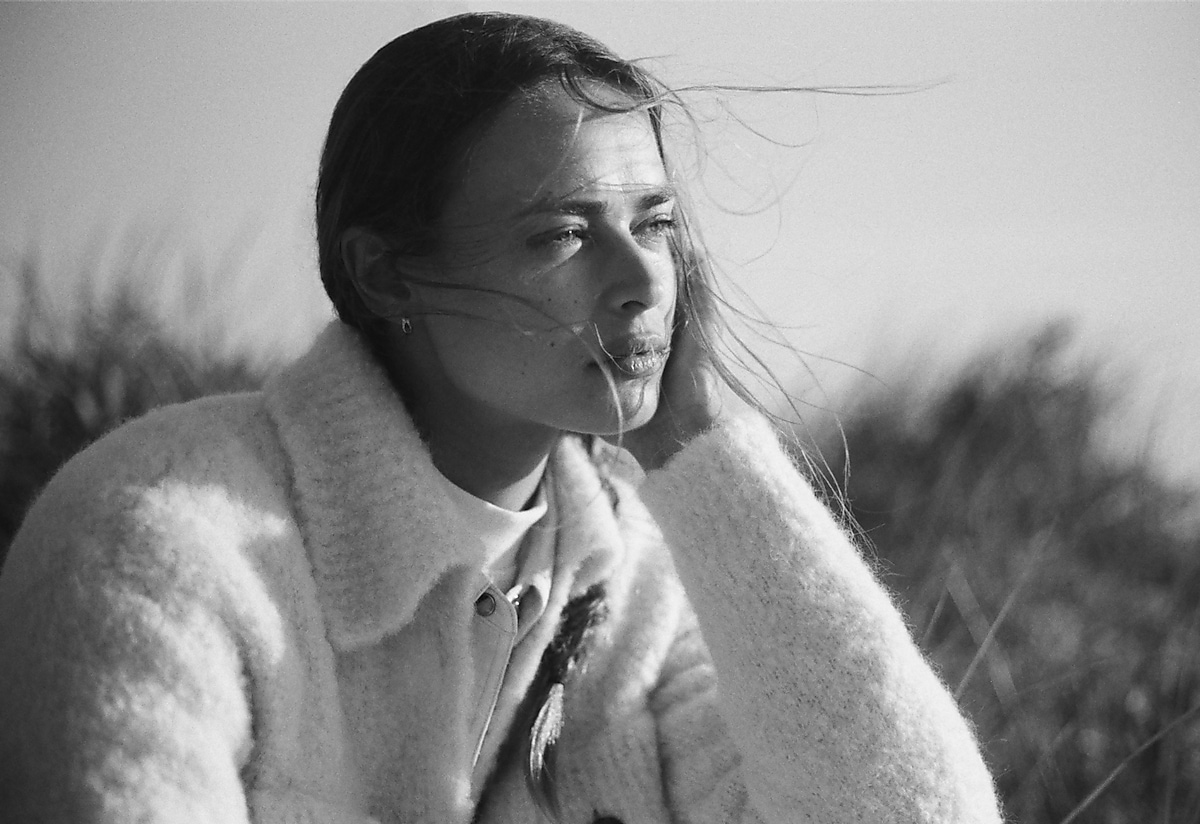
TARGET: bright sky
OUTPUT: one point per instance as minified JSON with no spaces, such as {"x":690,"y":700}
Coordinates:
{"x":1054,"y":172}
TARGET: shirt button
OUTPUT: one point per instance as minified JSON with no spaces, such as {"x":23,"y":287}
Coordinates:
{"x":485,"y":605}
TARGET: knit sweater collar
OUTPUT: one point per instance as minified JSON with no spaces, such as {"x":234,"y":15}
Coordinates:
{"x":378,"y":524}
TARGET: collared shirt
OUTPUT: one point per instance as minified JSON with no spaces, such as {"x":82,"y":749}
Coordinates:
{"x":517,"y":566}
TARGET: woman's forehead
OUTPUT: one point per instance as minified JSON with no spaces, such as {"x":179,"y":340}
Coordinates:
{"x":548,"y":145}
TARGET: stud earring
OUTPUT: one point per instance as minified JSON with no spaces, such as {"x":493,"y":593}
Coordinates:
{"x":406,"y":326}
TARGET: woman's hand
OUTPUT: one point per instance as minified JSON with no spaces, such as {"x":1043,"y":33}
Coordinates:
{"x":692,"y":396}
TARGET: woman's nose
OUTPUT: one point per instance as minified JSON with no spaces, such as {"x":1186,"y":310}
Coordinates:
{"x":638,"y":278}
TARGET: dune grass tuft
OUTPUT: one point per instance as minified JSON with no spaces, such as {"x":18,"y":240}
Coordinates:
{"x":1054,"y":581}
{"x":73,"y":369}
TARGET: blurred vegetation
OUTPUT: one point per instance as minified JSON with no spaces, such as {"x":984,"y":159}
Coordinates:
{"x":1055,"y":584}
{"x":68,"y":374}
{"x":1054,"y":581}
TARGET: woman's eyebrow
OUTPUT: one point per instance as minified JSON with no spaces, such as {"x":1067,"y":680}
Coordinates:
{"x":590,"y":207}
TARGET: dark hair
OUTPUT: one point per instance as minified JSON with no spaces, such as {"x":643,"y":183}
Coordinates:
{"x":409,"y":114}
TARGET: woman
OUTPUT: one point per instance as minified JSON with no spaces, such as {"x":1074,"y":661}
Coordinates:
{"x":408,"y":582}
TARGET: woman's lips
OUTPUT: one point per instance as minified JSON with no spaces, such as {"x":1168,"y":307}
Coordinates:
{"x":636,"y":357}
{"x":641,"y":365}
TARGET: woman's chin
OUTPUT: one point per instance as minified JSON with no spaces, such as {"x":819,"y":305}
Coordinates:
{"x":632,"y":418}
{"x":608,"y":414}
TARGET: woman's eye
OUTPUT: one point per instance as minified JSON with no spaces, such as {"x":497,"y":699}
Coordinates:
{"x":561,"y":236}
{"x":657,"y":227}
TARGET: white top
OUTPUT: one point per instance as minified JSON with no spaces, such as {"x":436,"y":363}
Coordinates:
{"x":517,"y":558}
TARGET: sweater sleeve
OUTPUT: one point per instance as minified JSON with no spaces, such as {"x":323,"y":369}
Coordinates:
{"x":135,"y":637}
{"x":121,"y":691}
{"x":798,"y":693}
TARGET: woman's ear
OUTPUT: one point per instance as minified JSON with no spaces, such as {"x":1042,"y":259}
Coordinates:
{"x":370,"y":266}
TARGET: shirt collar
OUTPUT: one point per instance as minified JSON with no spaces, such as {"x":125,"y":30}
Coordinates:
{"x":501,"y":532}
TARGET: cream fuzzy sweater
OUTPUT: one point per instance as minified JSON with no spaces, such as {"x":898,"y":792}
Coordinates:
{"x":257,"y":608}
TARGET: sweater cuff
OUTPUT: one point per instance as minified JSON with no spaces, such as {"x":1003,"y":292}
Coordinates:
{"x":733,"y":478}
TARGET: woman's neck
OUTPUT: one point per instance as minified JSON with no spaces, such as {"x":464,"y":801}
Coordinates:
{"x":478,"y":450}
{"x":493,"y":466}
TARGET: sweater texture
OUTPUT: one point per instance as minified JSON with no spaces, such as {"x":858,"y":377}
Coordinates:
{"x":259,"y":608}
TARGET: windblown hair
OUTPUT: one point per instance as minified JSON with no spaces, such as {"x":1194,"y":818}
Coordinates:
{"x":410,"y":115}
{"x":407,"y":118}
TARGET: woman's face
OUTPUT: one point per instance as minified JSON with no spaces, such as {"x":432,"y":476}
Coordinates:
{"x":558,"y":225}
